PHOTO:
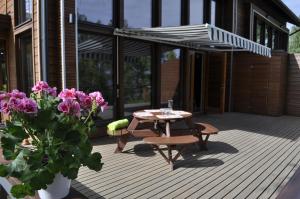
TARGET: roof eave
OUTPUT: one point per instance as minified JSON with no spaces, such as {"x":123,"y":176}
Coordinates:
{"x":293,"y":18}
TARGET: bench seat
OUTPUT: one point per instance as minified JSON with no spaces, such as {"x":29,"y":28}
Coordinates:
{"x":205,"y":129}
{"x":171,"y":142}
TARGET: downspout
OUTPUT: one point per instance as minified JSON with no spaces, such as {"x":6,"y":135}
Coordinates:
{"x":76,"y":45}
{"x":62,"y":43}
{"x":43,"y":40}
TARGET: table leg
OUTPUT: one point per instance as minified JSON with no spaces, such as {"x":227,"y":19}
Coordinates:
{"x":170,"y":157}
{"x":168,"y":129}
{"x":121,"y":143}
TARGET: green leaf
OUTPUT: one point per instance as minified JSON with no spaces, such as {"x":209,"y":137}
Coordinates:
{"x":3,"y":170}
{"x":94,"y":162}
{"x":16,"y":130}
{"x":70,"y":173}
{"x":22,"y":190}
{"x":42,"y":179}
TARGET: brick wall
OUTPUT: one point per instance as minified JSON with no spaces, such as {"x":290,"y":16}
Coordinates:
{"x":259,"y":83}
{"x":293,"y":86}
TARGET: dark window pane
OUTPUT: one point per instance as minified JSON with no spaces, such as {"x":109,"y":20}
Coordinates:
{"x":24,"y":10}
{"x":137,"y":13}
{"x":170,"y":76}
{"x":137,"y":76}
{"x":96,"y":67}
{"x":266,"y":35}
{"x":3,"y":67}
{"x":258,"y":32}
{"x":25,"y":64}
{"x":196,"y":11}
{"x":170,"y":13}
{"x":95,"y":11}
{"x":213,"y":12}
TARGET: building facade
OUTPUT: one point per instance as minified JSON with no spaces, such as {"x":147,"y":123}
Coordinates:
{"x":72,"y":44}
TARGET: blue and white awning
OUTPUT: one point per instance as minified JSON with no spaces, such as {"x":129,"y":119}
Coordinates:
{"x":198,"y":37}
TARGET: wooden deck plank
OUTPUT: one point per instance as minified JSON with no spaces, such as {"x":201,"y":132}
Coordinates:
{"x":210,"y":184}
{"x":260,"y":162}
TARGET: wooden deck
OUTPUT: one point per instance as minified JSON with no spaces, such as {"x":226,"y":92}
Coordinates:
{"x":252,"y":157}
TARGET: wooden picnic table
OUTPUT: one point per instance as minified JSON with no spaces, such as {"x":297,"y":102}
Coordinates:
{"x":149,"y":116}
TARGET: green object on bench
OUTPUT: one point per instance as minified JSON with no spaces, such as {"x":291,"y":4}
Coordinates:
{"x":117,"y":125}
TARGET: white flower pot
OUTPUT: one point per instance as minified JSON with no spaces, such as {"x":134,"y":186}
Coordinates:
{"x":59,"y":189}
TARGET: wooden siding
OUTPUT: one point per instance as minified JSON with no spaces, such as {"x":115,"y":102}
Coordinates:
{"x":70,"y":43}
{"x":243,"y":19}
{"x":259,"y":83}
{"x":252,"y":157}
{"x":293,"y":88}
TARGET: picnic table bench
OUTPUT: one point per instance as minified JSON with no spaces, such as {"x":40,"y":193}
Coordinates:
{"x":171,"y":143}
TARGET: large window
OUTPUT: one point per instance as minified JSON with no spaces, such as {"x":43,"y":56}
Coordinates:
{"x":137,"y":13}
{"x":95,"y":11}
{"x":171,"y":13}
{"x":3,"y":67}
{"x":269,"y":35}
{"x":170,"y":76}
{"x":196,"y":12}
{"x":96,"y":67}
{"x":24,"y":11}
{"x":25,"y":64}
{"x":137,"y":76}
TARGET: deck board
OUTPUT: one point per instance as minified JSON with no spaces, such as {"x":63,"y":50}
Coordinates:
{"x":252,"y":156}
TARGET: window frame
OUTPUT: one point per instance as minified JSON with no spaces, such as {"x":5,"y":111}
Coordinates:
{"x":17,"y":14}
{"x":19,"y":64}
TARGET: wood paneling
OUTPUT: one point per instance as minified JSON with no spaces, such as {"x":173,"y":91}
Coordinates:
{"x":293,"y":88}
{"x":216,"y":82}
{"x":259,"y":83}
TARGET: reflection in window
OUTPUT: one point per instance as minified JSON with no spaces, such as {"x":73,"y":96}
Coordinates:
{"x":95,"y":11}
{"x":95,"y":67}
{"x":24,"y":10}
{"x":170,"y":13}
{"x":258,"y":32}
{"x":25,"y":64}
{"x":267,"y":35}
{"x":3,"y":68}
{"x":213,"y":12}
{"x":196,"y":12}
{"x":170,"y":76}
{"x":137,"y":76}
{"x":132,"y":13}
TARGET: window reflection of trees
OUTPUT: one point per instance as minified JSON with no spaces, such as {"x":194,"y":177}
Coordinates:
{"x":137,"y":75}
{"x":95,"y":66}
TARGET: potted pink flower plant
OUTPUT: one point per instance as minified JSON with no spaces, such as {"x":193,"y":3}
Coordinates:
{"x":55,"y":129}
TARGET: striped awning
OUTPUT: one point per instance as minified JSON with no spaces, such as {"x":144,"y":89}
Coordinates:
{"x":198,"y":37}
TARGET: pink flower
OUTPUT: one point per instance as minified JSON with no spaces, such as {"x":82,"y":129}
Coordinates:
{"x":44,"y":87}
{"x":4,"y":107}
{"x":98,"y":98}
{"x":85,"y":101}
{"x":52,"y":91}
{"x":28,"y":105}
{"x":67,"y":94}
{"x":40,"y":86}
{"x":14,"y":104}
{"x":64,"y":107}
{"x":4,"y":96}
{"x":70,"y":107}
{"x":17,"y":94}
